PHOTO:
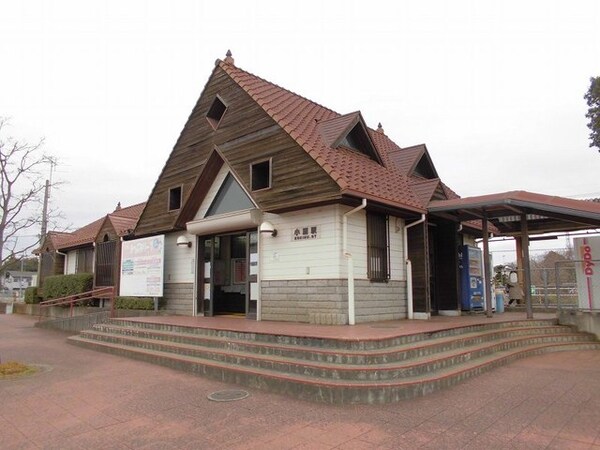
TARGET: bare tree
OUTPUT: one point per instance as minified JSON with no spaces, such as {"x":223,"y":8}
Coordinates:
{"x":22,"y":192}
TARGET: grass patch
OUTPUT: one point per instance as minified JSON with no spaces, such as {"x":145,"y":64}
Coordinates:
{"x":12,"y":369}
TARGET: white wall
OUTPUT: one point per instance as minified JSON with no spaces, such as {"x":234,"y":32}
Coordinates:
{"x":180,"y":262}
{"x":70,"y":262}
{"x":397,"y":256}
{"x":282,"y":258}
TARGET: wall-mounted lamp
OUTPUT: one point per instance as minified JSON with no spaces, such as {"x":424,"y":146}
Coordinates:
{"x":267,"y":227}
{"x":182,"y":241}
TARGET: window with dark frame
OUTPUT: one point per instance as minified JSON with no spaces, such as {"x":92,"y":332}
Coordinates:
{"x":216,"y":112}
{"x":174,"y":198}
{"x":260,"y":174}
{"x":377,"y":247}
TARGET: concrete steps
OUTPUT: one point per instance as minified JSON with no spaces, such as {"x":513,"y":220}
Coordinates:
{"x":335,"y":370}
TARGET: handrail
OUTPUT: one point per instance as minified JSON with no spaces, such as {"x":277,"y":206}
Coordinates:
{"x":105,"y":292}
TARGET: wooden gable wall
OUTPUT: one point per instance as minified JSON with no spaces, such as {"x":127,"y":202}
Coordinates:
{"x":246,"y":134}
{"x":106,"y":229}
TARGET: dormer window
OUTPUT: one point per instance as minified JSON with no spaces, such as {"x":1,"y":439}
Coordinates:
{"x":216,"y":112}
{"x":357,"y":140}
{"x":425,"y":169}
{"x":349,"y":131}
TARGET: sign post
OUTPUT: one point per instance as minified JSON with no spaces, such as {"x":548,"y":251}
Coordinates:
{"x":587,"y":270}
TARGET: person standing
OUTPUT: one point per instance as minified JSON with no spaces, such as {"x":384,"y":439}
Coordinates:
{"x":515,"y":291}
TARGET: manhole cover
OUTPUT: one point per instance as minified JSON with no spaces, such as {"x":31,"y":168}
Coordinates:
{"x":228,"y":396}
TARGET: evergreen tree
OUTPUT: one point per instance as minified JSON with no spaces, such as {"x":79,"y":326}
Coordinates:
{"x":592,"y":97}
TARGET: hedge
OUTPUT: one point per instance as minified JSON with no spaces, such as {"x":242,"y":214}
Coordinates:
{"x":31,"y":295}
{"x":146,"y":303}
{"x":58,"y":286}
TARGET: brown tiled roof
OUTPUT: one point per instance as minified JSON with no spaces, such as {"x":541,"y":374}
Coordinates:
{"x":355,"y":174}
{"x":424,"y":189}
{"x":132,"y":212}
{"x":84,"y":235}
{"x":407,"y":158}
{"x":122,"y":220}
{"x":122,"y":225}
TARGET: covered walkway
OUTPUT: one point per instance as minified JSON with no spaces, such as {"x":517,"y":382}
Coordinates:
{"x":520,"y":214}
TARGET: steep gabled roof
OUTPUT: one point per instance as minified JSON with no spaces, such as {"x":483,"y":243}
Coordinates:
{"x":355,"y":174}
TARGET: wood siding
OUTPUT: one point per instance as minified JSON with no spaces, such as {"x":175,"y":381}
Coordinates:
{"x":296,"y":177}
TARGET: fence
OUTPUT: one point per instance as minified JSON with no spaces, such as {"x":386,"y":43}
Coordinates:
{"x":556,"y":287}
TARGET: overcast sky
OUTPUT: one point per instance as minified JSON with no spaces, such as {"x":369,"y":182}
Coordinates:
{"x":494,"y":88}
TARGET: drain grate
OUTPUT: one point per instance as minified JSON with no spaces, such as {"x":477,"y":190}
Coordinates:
{"x":230,"y":395}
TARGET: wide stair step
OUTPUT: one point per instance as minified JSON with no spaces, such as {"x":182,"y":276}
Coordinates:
{"x":336,"y":370}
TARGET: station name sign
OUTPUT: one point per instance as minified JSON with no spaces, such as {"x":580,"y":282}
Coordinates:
{"x":305,"y":233}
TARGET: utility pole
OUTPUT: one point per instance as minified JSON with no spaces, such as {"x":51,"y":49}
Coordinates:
{"x":44,"y":228}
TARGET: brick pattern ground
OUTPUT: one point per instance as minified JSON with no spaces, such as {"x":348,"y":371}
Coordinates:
{"x":91,"y":400}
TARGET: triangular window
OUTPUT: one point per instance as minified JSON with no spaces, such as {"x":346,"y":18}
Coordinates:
{"x":357,"y":139}
{"x":216,"y":112}
{"x":425,"y":169}
{"x":230,"y":198}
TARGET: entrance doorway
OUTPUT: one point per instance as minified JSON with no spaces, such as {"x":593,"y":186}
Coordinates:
{"x":228,"y":277}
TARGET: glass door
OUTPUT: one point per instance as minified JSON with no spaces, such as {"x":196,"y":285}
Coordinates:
{"x":208,"y":249}
{"x":252,"y":276}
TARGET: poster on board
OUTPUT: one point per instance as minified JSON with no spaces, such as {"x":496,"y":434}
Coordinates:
{"x":142,"y":267}
{"x":587,"y":270}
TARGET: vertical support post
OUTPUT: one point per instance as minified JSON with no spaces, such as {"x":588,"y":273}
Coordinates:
{"x":526,"y":267}
{"x":545,"y":280}
{"x":486,"y":266}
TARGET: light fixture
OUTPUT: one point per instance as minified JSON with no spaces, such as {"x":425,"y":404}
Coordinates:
{"x":267,"y":227}
{"x":182,"y":241}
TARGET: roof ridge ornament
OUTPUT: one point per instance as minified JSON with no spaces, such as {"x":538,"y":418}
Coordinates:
{"x":229,"y":58}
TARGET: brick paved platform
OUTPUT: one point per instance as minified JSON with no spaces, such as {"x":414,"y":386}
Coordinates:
{"x":93,"y":400}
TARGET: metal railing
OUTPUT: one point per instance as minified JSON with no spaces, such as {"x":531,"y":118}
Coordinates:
{"x":107,"y":293}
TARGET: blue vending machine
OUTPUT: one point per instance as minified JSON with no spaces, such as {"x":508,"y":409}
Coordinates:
{"x":471,"y":278}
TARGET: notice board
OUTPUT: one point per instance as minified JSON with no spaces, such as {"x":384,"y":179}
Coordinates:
{"x":142,"y":267}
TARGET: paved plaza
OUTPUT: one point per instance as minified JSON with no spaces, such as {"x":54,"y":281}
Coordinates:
{"x":83,"y":399}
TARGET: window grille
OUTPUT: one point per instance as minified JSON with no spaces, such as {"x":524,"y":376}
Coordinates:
{"x":377,"y":247}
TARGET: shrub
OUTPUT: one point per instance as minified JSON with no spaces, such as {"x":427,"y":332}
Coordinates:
{"x":31,"y":295}
{"x":58,"y":286}
{"x":146,"y":303}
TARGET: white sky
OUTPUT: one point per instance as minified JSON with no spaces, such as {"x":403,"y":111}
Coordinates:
{"x":494,"y":88}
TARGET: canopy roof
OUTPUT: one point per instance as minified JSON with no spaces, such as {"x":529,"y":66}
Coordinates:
{"x":545,"y":213}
